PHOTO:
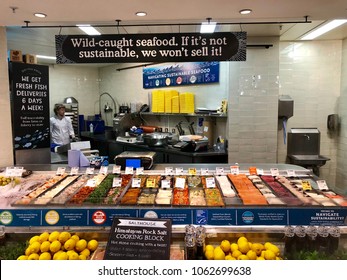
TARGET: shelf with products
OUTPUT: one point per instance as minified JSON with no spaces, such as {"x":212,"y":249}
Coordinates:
{"x":187,"y":116}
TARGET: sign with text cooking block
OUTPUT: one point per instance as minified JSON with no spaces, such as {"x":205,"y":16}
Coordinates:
{"x":30,"y":106}
{"x":139,"y":239}
{"x":162,"y":47}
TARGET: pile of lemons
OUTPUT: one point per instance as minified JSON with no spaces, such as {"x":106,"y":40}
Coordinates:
{"x":58,"y":246}
{"x":242,"y":249}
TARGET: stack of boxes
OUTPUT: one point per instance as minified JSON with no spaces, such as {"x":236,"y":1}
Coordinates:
{"x":171,"y":101}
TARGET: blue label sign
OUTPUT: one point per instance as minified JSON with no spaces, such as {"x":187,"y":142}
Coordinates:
{"x":181,"y":74}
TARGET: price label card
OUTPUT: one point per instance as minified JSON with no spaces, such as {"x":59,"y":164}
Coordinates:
{"x":91,"y":183}
{"x":274,"y":171}
{"x":169,"y":171}
{"x":235,"y":169}
{"x":60,"y":171}
{"x":204,"y":171}
{"x":165,"y":184}
{"x":129,"y":170}
{"x":139,"y":170}
{"x":260,"y":171}
{"x":192,"y":171}
{"x":291,"y":173}
{"x":210,"y":183}
{"x":180,"y":183}
{"x":150,"y":183}
{"x":219,"y":171}
{"x":74,"y":170}
{"x":322,"y":185}
{"x":15,"y":171}
{"x":252,"y":170}
{"x":116,"y":169}
{"x":117,"y":182}
{"x":90,"y":170}
{"x":136,"y":183}
{"x":103,"y":170}
{"x":306,"y":186}
{"x":179,"y":171}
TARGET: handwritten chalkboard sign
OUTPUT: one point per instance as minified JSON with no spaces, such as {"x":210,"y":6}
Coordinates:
{"x":139,"y":239}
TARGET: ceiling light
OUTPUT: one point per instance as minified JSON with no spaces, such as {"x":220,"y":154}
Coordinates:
{"x":324,"y":29}
{"x":208,"y":27}
{"x":245,"y":11}
{"x":40,"y":15}
{"x":46,"y":57}
{"x":90,"y":30}
{"x":141,"y":14}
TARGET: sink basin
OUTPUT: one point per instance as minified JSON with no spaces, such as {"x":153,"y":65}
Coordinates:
{"x":316,"y":160}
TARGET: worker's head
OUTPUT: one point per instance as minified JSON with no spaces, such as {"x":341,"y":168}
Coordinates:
{"x":59,"y":109}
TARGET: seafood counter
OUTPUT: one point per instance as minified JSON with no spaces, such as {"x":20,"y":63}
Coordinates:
{"x":209,"y":197}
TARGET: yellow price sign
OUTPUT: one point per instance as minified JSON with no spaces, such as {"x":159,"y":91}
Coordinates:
{"x":192,"y":171}
{"x":306,"y":186}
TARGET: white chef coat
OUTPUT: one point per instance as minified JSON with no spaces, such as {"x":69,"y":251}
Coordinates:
{"x":61,"y":130}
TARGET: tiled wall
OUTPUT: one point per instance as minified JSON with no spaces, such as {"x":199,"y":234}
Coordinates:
{"x":253,"y":97}
{"x":341,"y":152}
{"x":6,"y":154}
{"x":310,"y":73}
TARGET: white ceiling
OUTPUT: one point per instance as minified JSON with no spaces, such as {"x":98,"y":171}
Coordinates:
{"x":176,"y":14}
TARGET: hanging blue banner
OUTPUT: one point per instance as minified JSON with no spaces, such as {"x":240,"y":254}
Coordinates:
{"x":181,"y":74}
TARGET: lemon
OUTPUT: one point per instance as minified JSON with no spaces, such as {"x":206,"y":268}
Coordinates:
{"x":225,"y":246}
{"x":43,"y":237}
{"x":85,"y":252}
{"x":269,"y":255}
{"x":64,"y":236}
{"x":234,"y":247}
{"x":55,"y":246}
{"x":243,"y":247}
{"x":267,"y":245}
{"x":73,"y":256}
{"x":274,"y":249}
{"x":219,"y":254}
{"x":70,"y":244}
{"x":62,"y":256}
{"x":260,"y":259}
{"x":33,"y":239}
{"x":22,"y":257}
{"x":81,"y":245}
{"x":229,"y":257}
{"x":242,"y":257}
{"x":82,"y":257}
{"x":28,"y":251}
{"x":257,"y":247}
{"x":92,"y":245}
{"x":33,"y":256}
{"x":35,"y":247}
{"x":251,"y":255}
{"x":55,"y":256}
{"x":209,"y":247}
{"x":236,"y":254}
{"x":278,"y":259}
{"x":241,"y":240}
{"x":209,"y":254}
{"x":45,"y":246}
{"x":75,"y":237}
{"x":45,"y":256}
{"x":53,"y":236}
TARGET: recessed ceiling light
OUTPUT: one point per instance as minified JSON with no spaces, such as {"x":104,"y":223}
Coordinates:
{"x":141,"y":14}
{"x":40,"y":15}
{"x":245,"y":11}
{"x":208,"y":27}
{"x":324,"y":29}
{"x":88,"y":29}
